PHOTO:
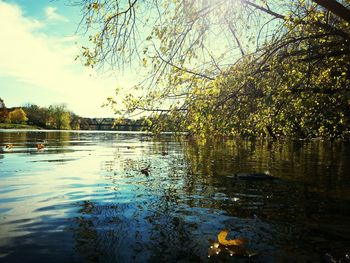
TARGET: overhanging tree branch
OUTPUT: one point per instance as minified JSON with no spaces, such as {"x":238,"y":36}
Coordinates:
{"x":183,"y":69}
{"x":336,"y":8}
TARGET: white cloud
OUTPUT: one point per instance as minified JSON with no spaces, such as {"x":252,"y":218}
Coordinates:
{"x":47,"y":63}
{"x":52,"y":15}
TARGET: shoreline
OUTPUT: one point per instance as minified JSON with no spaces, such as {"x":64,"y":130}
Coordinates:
{"x":12,"y":126}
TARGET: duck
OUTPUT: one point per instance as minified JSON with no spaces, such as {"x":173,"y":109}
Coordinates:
{"x":145,"y":171}
{"x":40,"y":146}
{"x":8,"y":146}
{"x":130,"y":147}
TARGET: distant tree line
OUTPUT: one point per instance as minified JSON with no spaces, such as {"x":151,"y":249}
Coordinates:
{"x":58,"y":117}
{"x":53,"y":117}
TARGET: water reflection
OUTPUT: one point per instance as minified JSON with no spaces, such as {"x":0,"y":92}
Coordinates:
{"x":84,"y":198}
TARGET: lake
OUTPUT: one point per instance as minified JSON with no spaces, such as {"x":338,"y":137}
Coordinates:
{"x":83,"y":198}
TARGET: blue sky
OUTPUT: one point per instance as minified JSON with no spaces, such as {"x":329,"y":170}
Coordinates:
{"x":37,"y":59}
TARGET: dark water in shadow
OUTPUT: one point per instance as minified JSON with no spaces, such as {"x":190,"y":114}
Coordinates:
{"x":84,"y":199}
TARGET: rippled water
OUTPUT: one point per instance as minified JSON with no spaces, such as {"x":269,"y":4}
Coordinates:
{"x":84,"y":199}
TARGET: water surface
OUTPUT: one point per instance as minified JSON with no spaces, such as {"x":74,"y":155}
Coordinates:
{"x":84,"y":199}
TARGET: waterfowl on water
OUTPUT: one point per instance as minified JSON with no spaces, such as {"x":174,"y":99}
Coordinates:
{"x":145,"y":171}
{"x":40,"y":146}
{"x":8,"y":146}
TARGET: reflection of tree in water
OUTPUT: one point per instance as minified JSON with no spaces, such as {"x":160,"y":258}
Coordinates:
{"x":312,"y":190}
{"x":17,"y":138}
{"x":139,"y":231}
{"x":172,"y":238}
{"x":149,"y":225}
{"x":187,"y":198}
{"x":98,"y":234}
{"x":311,"y":169}
{"x":323,"y":163}
{"x":56,"y":141}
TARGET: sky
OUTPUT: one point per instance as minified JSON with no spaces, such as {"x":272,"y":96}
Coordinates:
{"x":38,"y":48}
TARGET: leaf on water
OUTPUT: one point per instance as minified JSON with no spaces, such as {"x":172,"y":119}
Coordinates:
{"x":232,"y":242}
{"x":231,"y":247}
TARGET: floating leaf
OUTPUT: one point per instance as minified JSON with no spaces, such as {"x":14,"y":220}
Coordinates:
{"x":233,"y":242}
{"x":233,"y":247}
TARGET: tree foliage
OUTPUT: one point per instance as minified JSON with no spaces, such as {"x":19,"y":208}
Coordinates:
{"x":60,"y":117}
{"x":18,"y":116}
{"x":247,"y":68}
{"x":37,"y":115}
{"x":3,"y":111}
{"x":54,"y":117}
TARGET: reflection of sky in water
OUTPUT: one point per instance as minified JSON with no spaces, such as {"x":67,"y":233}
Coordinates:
{"x":84,"y":198}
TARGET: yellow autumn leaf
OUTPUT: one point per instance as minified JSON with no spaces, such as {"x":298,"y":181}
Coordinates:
{"x":233,"y":242}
